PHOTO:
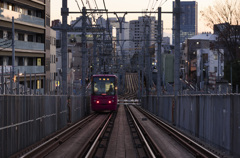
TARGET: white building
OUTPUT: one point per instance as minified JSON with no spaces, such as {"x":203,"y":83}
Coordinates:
{"x":211,"y":64}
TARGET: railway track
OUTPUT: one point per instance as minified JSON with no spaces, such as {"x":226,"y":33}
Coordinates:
{"x":50,"y":147}
{"x":42,"y":148}
{"x":91,"y":136}
{"x":192,"y":146}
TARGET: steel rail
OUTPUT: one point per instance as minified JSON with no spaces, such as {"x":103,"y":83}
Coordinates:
{"x":189,"y":143}
{"x":141,"y":134}
{"x":52,"y":143}
{"x":94,"y":145}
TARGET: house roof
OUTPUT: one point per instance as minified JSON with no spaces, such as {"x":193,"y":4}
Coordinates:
{"x":204,"y":36}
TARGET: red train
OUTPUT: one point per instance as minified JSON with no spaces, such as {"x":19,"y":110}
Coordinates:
{"x":104,"y":92}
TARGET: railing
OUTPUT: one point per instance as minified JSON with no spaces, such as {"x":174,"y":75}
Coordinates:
{"x":29,"y":69}
{"x":29,"y":45}
{"x":8,"y":14}
{"x":25,"y":45}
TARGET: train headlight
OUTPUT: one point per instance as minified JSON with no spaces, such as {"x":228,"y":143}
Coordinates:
{"x":109,"y":101}
{"x":98,"y":101}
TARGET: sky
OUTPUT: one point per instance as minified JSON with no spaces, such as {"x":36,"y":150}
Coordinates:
{"x":131,"y":5}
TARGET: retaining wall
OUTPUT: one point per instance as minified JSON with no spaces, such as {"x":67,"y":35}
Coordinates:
{"x":25,"y":120}
{"x":214,"y":119}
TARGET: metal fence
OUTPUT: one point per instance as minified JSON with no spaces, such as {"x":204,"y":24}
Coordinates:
{"x":214,"y":119}
{"x":24,"y":120}
{"x":27,"y":83}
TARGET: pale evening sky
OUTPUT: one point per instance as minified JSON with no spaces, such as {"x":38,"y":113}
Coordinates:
{"x":130,"y":5}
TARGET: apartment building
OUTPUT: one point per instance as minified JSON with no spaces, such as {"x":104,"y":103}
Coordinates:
{"x":32,"y":39}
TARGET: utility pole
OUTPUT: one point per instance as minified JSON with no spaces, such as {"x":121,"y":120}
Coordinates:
{"x":159,"y":39}
{"x":177,"y":12}
{"x":64,"y":12}
{"x":148,"y":67}
{"x":84,"y":50}
{"x":94,"y":53}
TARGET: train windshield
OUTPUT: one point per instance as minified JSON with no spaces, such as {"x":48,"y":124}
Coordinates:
{"x":103,"y":86}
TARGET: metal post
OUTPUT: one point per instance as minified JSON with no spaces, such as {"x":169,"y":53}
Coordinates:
{"x":159,"y":89}
{"x":64,"y":13}
{"x":30,"y":83}
{"x":40,"y":84}
{"x":231,"y":77}
{"x":84,"y":51}
{"x":94,"y":53}
{"x":18,"y":82}
{"x":2,"y":81}
{"x":148,"y":69}
{"x":13,"y":46}
{"x":11,"y":81}
{"x":177,"y":9}
{"x":25,"y":83}
{"x":142,"y":59}
{"x":177,"y":46}
{"x":35,"y":84}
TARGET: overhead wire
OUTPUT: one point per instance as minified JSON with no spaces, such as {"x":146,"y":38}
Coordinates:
{"x":78,"y":5}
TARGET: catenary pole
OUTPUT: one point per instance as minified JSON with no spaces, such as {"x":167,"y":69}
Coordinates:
{"x":64,"y":13}
{"x":177,"y":11}
{"x":177,"y":47}
{"x":84,"y":50}
{"x":159,"y":90}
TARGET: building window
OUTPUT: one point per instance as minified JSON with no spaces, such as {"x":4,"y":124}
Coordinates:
{"x":20,"y":36}
{"x":9,"y":35}
{"x":1,"y":61}
{"x":30,"y":38}
{"x":215,"y":69}
{"x":1,"y":33}
{"x":20,"y":61}
{"x":30,"y":61}
{"x":29,"y":12}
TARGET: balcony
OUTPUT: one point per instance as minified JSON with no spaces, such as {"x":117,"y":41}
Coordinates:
{"x":4,"y":43}
{"x":22,"y":69}
{"x":29,"y":45}
{"x":29,"y":69}
{"x":8,"y":14}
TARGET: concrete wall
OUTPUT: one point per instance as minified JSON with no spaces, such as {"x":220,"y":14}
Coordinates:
{"x":214,"y":119}
{"x":25,"y":120}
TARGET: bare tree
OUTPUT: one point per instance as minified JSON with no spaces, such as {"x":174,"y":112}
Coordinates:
{"x":224,"y":17}
{"x":222,"y":11}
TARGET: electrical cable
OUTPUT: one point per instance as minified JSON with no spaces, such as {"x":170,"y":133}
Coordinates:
{"x":78,"y":6}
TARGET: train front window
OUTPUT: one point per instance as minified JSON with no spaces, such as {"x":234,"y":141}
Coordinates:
{"x":103,"y":86}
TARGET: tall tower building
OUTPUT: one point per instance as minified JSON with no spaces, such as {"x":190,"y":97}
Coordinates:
{"x":32,"y":39}
{"x":138,"y":31}
{"x":188,"y":20}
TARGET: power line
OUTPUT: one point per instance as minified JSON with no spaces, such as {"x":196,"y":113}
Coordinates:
{"x":78,"y":6}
